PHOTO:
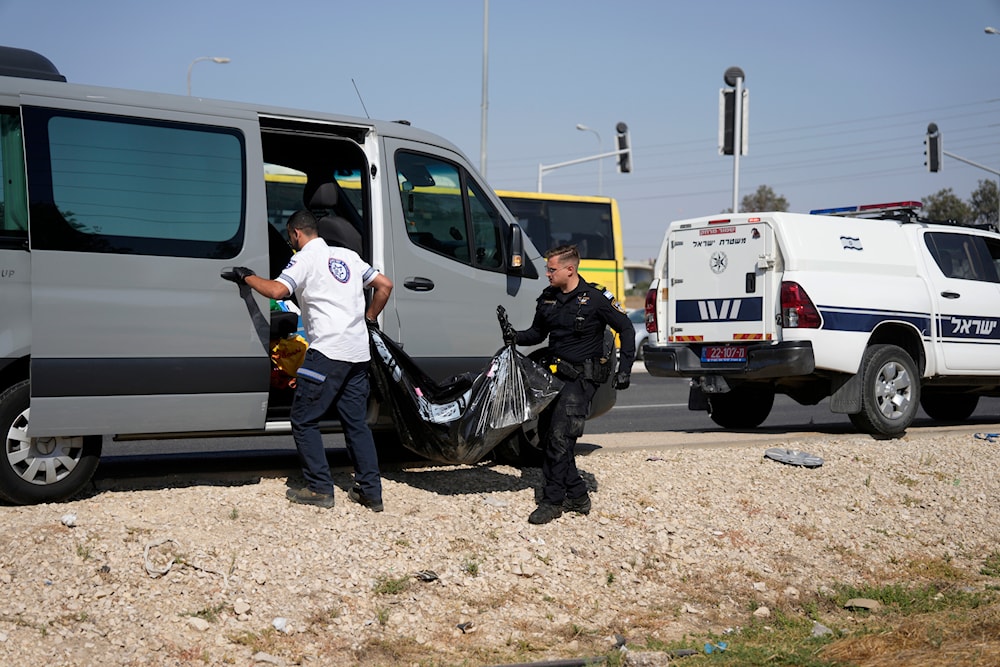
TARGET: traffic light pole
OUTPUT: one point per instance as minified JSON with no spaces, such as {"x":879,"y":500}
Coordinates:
{"x":545,"y":168}
{"x":974,"y":164}
{"x":979,"y":166}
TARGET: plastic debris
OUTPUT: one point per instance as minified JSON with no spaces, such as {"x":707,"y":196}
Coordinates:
{"x":820,"y":630}
{"x":988,"y":437}
{"x":426,"y":575}
{"x":68,"y":520}
{"x":793,"y":457}
{"x":720,"y":647}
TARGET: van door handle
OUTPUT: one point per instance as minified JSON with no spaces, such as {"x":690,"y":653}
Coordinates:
{"x":950,"y":295}
{"x":418,"y":284}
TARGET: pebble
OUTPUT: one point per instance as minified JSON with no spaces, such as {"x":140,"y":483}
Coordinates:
{"x":715,"y":544}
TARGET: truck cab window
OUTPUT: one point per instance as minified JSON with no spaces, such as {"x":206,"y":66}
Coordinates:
{"x":964,"y":256}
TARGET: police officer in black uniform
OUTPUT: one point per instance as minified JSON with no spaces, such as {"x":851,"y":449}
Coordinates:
{"x":573,"y":314}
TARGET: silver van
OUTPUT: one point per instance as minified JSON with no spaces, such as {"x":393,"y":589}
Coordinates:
{"x":121,"y":210}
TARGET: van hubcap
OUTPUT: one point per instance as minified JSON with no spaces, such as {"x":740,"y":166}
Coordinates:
{"x":40,"y":460}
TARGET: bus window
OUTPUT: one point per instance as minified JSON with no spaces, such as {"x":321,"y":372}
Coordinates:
{"x":589,"y":223}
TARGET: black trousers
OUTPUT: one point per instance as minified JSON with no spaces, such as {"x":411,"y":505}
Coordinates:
{"x":566,"y":417}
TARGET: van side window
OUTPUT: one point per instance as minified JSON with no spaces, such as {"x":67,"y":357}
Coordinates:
{"x":13,"y":195}
{"x":485,"y":230}
{"x":129,"y":186}
{"x":447,"y":212}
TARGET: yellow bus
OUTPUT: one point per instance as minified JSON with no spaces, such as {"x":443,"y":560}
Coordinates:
{"x":549,"y":220}
{"x":592,"y":224}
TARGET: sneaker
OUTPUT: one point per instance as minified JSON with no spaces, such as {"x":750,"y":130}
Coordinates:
{"x":545,"y":513}
{"x":306,"y":496}
{"x":579,"y":505}
{"x":355,"y":494}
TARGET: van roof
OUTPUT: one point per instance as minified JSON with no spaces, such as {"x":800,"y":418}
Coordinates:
{"x":33,"y":73}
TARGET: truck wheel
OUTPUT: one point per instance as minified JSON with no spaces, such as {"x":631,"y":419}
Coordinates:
{"x":890,"y":391}
{"x":744,"y":406}
{"x":40,"y":470}
{"x":948,"y":407}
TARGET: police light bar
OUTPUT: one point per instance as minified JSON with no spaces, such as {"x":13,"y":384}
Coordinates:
{"x":868,"y":209}
{"x":843,"y":210}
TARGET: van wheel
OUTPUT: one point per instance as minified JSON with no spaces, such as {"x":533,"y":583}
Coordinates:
{"x":948,"y":407}
{"x":40,"y":470}
{"x":744,"y":406}
{"x":521,"y":449}
{"x":890,"y":391}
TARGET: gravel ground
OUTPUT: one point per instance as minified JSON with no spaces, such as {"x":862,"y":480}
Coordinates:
{"x":679,"y":541}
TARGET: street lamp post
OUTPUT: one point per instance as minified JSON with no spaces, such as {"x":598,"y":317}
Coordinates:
{"x":215,"y":59}
{"x":600,"y":149}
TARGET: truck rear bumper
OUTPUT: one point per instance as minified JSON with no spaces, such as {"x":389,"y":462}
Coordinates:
{"x":764,"y":360}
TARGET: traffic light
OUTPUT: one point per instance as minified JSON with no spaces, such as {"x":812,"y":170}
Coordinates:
{"x":727,"y":120}
{"x":624,"y":145}
{"x":932,"y":148}
{"x":727,"y":110}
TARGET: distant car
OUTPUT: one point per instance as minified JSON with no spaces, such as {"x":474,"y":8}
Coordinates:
{"x":638,"y":317}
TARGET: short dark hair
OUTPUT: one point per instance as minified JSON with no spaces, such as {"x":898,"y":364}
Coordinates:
{"x":567,"y":254}
{"x":303,"y":220}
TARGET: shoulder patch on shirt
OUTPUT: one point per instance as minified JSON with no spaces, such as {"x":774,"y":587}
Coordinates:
{"x":610,"y":297}
{"x":290,"y":264}
{"x":339,"y":270}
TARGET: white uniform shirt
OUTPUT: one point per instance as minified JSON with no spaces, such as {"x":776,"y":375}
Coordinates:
{"x":329,"y":283}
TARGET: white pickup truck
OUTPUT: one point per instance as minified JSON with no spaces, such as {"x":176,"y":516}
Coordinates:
{"x":880,"y":314}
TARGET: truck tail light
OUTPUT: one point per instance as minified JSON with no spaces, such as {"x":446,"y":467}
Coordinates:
{"x":797,"y":309}
{"x":650,"y":309}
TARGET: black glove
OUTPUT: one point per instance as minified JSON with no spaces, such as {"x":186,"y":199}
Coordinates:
{"x":622,"y":380}
{"x":506,"y":330}
{"x":239,"y":274}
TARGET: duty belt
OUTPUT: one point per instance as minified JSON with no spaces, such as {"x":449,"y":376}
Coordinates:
{"x":596,"y":370}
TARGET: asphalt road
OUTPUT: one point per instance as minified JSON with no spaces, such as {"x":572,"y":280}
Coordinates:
{"x":653,"y":409}
{"x":660,"y":404}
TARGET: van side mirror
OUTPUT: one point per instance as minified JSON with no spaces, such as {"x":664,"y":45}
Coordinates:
{"x":515,"y":260}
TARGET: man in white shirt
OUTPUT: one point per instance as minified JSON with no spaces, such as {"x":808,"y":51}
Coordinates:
{"x":329,"y":284}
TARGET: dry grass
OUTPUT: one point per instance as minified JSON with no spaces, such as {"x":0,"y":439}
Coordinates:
{"x":969,"y":637}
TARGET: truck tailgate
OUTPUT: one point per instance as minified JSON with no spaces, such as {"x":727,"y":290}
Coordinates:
{"x":721,"y":282}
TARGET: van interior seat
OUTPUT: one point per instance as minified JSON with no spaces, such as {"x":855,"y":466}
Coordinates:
{"x":283,"y":324}
{"x":334,"y":229}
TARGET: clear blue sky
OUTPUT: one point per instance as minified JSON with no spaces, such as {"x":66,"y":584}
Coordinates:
{"x":841,"y":91}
